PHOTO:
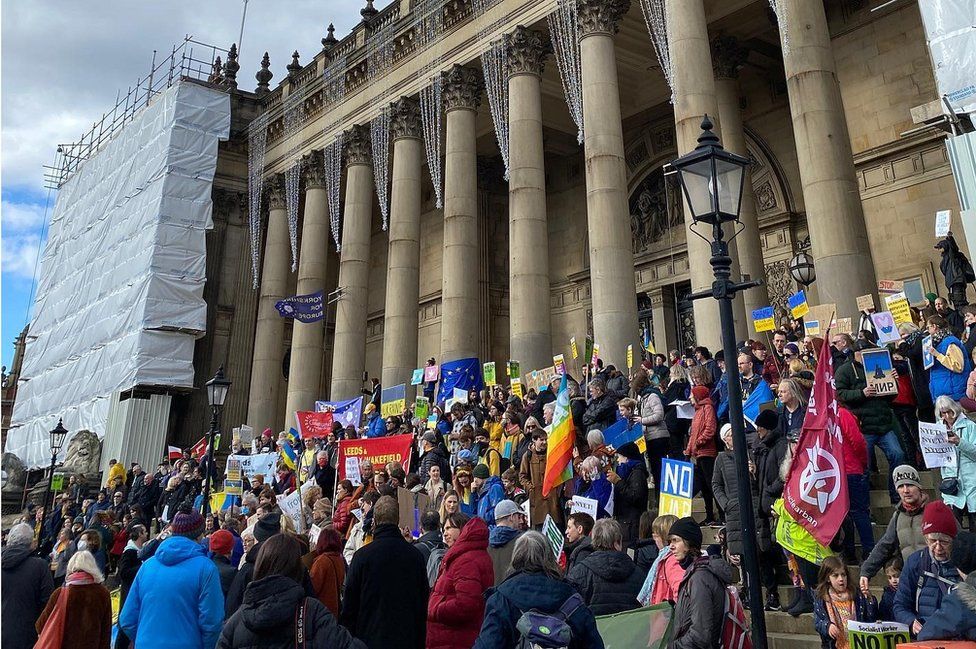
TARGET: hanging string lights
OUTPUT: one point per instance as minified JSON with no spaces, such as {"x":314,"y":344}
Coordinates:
{"x":564,"y":31}
{"x":257,"y":139}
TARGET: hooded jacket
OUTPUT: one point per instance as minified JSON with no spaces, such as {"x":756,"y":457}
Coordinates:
{"x":698,"y":613}
{"x":501,"y":544}
{"x":874,"y":413}
{"x":267,"y":619}
{"x":609,"y":581}
{"x":704,"y":426}
{"x":27,"y":585}
{"x":600,"y":413}
{"x":523,"y":591}
{"x":957,"y":617}
{"x":491,"y":493}
{"x":457,"y":603}
{"x":175,"y":600}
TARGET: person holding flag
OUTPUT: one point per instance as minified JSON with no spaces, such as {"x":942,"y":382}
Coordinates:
{"x":549,"y":462}
{"x":284,"y":480}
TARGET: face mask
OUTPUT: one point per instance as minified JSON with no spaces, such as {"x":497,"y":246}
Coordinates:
{"x":82,"y":545}
{"x":245,"y":510}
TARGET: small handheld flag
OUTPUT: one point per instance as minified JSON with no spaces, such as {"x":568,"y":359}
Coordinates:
{"x":289,"y":456}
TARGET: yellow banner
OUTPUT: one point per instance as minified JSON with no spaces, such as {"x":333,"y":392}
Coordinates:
{"x":677,"y":505}
{"x":899,"y":307}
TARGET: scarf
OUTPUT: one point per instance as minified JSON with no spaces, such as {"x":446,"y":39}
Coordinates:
{"x":939,"y":336}
{"x":644,"y":596}
{"x":841,"y":610}
{"x":79,"y":578}
{"x":914,"y":508}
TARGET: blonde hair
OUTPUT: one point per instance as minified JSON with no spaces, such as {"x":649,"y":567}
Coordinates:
{"x":84,"y":561}
{"x":662,"y":525}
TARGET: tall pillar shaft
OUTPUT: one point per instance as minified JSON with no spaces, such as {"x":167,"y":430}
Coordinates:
{"x":612,"y":285}
{"x":403,"y":269}
{"x":269,"y":331}
{"x":531,"y":332}
{"x":460,"y":304}
{"x":305,"y":368}
{"x":727,"y":57}
{"x":835,"y":217}
{"x":349,"y":347}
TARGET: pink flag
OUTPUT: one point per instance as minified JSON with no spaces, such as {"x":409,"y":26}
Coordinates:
{"x":816,"y":487}
{"x":313,"y":424}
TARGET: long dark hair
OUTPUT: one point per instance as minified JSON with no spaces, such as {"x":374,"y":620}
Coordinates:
{"x":831,"y":565}
{"x":280,"y":555}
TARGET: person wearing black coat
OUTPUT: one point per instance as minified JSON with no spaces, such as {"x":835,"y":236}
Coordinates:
{"x":768,"y":453}
{"x":608,"y":579}
{"x":386,"y":590}
{"x":678,"y":428}
{"x":601,"y":411}
{"x":630,"y":487}
{"x":129,"y":564}
{"x":27,"y":586}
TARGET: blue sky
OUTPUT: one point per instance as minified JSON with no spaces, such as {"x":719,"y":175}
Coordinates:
{"x":62,"y":63}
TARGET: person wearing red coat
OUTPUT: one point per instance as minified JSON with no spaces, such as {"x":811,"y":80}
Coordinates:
{"x":341,"y":514}
{"x":858,"y":488}
{"x":457,"y":603}
{"x":702,"y":448}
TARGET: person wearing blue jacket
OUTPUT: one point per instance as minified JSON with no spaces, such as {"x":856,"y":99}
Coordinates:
{"x":952,"y":365}
{"x":375,"y":425}
{"x":490,"y":493}
{"x":176,"y":601}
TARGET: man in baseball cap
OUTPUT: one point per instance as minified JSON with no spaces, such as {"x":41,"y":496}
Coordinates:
{"x":510,"y":522}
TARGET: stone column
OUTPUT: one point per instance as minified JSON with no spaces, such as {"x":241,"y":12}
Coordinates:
{"x":531,"y":337}
{"x":728,"y":57}
{"x":403,"y":268}
{"x":694,"y":97}
{"x":612,"y":284}
{"x":349,"y":346}
{"x":665,"y":320}
{"x":269,"y":332}
{"x":306,"y":338}
{"x":460,"y":306}
{"x":835,"y":216}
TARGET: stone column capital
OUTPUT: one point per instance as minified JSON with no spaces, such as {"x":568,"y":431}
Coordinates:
{"x":525,"y":52}
{"x":356,"y":146}
{"x":728,"y":56}
{"x":601,"y":16}
{"x":313,"y":169}
{"x":405,"y":119}
{"x":229,"y":205}
{"x":274,"y":191}
{"x":462,"y":88}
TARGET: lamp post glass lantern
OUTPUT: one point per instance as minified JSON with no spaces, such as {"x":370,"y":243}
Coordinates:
{"x":58,"y":435}
{"x":217,"y":389}
{"x":711,"y":180}
{"x":802,"y":269}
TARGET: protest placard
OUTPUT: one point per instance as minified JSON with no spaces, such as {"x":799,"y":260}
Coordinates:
{"x":928,"y":358}
{"x":865,"y":303}
{"x":890,"y":286}
{"x":845,"y":326}
{"x":798,"y":304}
{"x":587,"y":349}
{"x":517,"y":388}
{"x":763,"y":319}
{"x":432,"y":373}
{"x":378,"y":450}
{"x":488,"y":370}
{"x":291,"y":506}
{"x":584,"y":505}
{"x":411,"y":505}
{"x":573,"y":348}
{"x":943,"y":222}
{"x":876,"y":635}
{"x":233,"y":487}
{"x":233,"y":470}
{"x":677,"y":487}
{"x":811,"y":327}
{"x":884,"y":324}
{"x":418,"y":376}
{"x":258,"y":464}
{"x":514,"y":370}
{"x":933,"y":441}
{"x":555,"y":538}
{"x":559,"y":364}
{"x":313,"y":535}
{"x":596,"y":354}
{"x":826,"y":313}
{"x":878,"y":371}
{"x":684,"y":409}
{"x":393,"y":400}
{"x":898,"y":305}
{"x":421,"y":408}
{"x":352,"y":471}
{"x":630,"y":356}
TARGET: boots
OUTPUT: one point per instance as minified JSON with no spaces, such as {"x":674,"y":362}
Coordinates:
{"x":772,"y":601}
{"x":795,"y":600}
{"x":803,"y":605}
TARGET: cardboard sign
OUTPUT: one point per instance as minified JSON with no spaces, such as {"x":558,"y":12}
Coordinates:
{"x":559,"y":363}
{"x":876,"y":635}
{"x":827,"y":315}
{"x":845,"y":325}
{"x":865,"y":303}
{"x":811,"y":327}
{"x":763,"y":319}
{"x":677,"y":487}
{"x":928,"y":358}
{"x":418,"y":376}
{"x":555,"y":538}
{"x":421,"y":408}
{"x":587,"y":350}
{"x":879,"y":372}
{"x":890,"y":286}
{"x":393,"y":401}
{"x":933,"y":440}
{"x":898,"y":305}
{"x":798,"y":304}
{"x":432,"y":373}
{"x":488,"y":370}
{"x":584,"y":505}
{"x":411,"y":507}
{"x":884,"y":324}
{"x":943,"y":223}
{"x":573,"y":348}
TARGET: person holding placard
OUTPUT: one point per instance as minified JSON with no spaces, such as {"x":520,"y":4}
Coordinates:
{"x":951,"y":369}
{"x":958,"y":485}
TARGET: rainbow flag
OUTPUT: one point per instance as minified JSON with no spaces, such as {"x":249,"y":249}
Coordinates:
{"x":559,"y":455}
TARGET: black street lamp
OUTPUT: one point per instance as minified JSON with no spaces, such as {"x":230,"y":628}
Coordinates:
{"x":58,"y":435}
{"x":711,"y":179}
{"x":217,"y":389}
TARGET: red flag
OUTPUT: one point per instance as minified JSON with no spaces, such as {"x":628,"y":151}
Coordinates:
{"x":174,"y":452}
{"x":816,"y":487}
{"x":198,"y":449}
{"x":313,"y":424}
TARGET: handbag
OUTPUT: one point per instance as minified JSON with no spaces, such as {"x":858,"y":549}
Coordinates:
{"x":950,"y":486}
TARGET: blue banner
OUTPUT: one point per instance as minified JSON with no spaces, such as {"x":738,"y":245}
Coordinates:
{"x":463,"y":374}
{"x":347,"y":413}
{"x":303,"y":308}
{"x":621,"y":432}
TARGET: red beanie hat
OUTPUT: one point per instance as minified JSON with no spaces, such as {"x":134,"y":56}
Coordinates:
{"x":700,"y":392}
{"x":938,"y":519}
{"x":222,"y":542}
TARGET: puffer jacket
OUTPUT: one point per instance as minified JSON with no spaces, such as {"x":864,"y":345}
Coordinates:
{"x":874,"y":413}
{"x":176,"y":600}
{"x":726,"y":491}
{"x":942,"y":380}
{"x":704,"y":426}
{"x":956,"y":620}
{"x":768,"y":454}
{"x":522,"y":591}
{"x":903,"y":534}
{"x":27,"y":585}
{"x":651,"y":411}
{"x":600,"y":413}
{"x":865,"y":610}
{"x":267,"y":619}
{"x":457,"y":605}
{"x":630,"y":497}
{"x":922,"y":586}
{"x":965,"y":469}
{"x":698,"y":616}
{"x":434,"y":456}
{"x":609,"y":581}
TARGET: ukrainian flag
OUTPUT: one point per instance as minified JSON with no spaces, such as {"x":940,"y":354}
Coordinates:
{"x":294,"y":436}
{"x":289,"y":456}
{"x":648,"y":345}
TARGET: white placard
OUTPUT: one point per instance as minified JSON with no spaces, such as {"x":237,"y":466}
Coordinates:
{"x":358,"y":513}
{"x":584,"y":505}
{"x":527,"y":508}
{"x":291,"y":506}
{"x":308,"y":485}
{"x":943,"y":222}
{"x":352,"y":471}
{"x":313,"y":535}
{"x":933,"y":440}
{"x":553,"y":536}
{"x":685,"y":409}
{"x":256,"y":464}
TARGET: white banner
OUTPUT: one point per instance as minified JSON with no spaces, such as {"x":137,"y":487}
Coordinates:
{"x":933,"y":440}
{"x":260,"y":464}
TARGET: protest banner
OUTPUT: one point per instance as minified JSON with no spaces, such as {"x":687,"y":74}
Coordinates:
{"x":763,"y":319}
{"x":421,"y":408}
{"x":514,"y":370}
{"x":865,"y":303}
{"x":262,"y":464}
{"x":876,"y":635}
{"x":313,"y":425}
{"x":933,"y":441}
{"x":879,"y":372}
{"x":943,"y":222}
{"x":649,"y":627}
{"x":393,"y":401}
{"x":845,"y":326}
{"x":884,"y":324}
{"x":517,"y":388}
{"x":432,"y":373}
{"x":418,"y":376}
{"x":347,"y":413}
{"x":302,"y":308}
{"x":554,"y":537}
{"x":573,"y":348}
{"x":351,"y":465}
{"x":928,"y":358}
{"x":559,"y":363}
{"x":677,"y":487}
{"x":798,"y":304}
{"x":890,"y":286}
{"x":584,"y":505}
{"x":291,"y":506}
{"x":378,"y":450}
{"x":488,"y":371}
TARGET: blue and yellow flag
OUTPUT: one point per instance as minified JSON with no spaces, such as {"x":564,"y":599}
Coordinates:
{"x":294,"y":435}
{"x":289,"y":456}
{"x":648,"y":345}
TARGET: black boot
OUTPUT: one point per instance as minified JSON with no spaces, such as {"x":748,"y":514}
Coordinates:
{"x":804,"y":605}
{"x":772,"y":601}
{"x":795,"y":600}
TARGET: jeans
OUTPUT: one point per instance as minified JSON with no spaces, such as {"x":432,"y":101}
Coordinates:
{"x":859,"y":516}
{"x":891,"y":447}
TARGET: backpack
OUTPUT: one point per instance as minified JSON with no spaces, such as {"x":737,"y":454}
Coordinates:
{"x":538,"y":630}
{"x":735,"y":626}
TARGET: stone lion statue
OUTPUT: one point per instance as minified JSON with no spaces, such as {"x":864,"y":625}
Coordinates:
{"x":83,"y":454}
{"x":15,"y":472}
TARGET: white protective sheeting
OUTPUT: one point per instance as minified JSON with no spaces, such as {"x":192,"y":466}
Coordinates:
{"x":950,"y":29}
{"x":120,"y":300}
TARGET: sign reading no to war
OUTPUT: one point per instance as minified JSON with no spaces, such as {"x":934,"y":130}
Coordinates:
{"x":677,"y":487}
{"x":876,"y":635}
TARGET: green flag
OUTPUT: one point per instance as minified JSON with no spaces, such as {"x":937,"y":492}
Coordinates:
{"x":650,"y":627}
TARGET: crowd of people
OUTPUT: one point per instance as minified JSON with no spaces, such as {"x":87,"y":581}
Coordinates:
{"x":473,"y":569}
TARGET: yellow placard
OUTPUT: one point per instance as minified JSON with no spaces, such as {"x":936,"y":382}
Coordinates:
{"x":517,"y":388}
{"x":677,"y":505}
{"x":900,"y":310}
{"x":116,"y":596}
{"x":559,"y":363}
{"x":764,"y":319}
{"x":630,"y":356}
{"x":573,"y":347}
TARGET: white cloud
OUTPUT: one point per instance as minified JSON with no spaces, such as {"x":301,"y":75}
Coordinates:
{"x":21,"y":217}
{"x":19,"y":255}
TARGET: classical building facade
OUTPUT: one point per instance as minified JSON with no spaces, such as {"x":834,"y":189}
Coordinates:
{"x":550,"y":235}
